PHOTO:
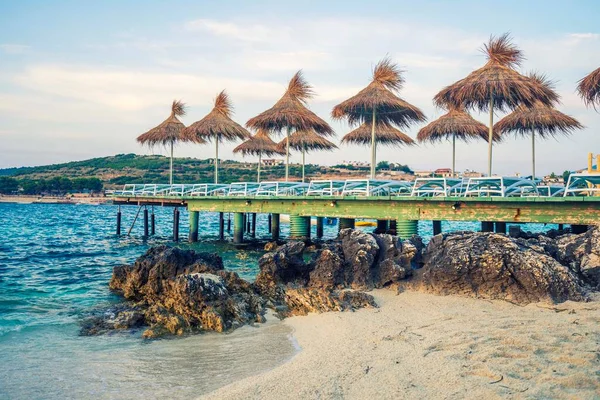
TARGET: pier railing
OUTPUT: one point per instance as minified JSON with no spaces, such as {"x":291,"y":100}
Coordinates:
{"x":577,"y":185}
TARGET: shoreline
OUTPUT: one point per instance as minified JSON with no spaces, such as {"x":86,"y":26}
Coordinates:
{"x":418,"y":345}
{"x":53,"y":200}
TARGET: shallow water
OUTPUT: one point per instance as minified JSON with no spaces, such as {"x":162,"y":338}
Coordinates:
{"x":55,"y":264}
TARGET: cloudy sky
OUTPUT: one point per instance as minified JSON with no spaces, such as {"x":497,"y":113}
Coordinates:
{"x":84,"y":79}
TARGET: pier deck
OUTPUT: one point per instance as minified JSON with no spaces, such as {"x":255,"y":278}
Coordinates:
{"x":559,"y":210}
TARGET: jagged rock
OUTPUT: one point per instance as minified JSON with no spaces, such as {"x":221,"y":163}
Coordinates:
{"x":270,"y":246}
{"x":178,"y":291}
{"x":394,"y":260}
{"x":495,"y":266}
{"x":360,"y":251}
{"x":301,"y":301}
{"x":286,"y":264}
{"x":582,"y":254}
{"x":328,"y":269}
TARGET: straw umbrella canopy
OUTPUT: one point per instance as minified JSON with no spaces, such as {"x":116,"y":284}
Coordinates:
{"x":457,"y":123}
{"x":589,"y":89}
{"x":306,"y":141}
{"x":217,"y":126}
{"x":379,"y":103}
{"x":291,"y":113}
{"x":496,"y":85}
{"x":543,"y":120}
{"x":168,"y":132}
{"x":258,"y":145}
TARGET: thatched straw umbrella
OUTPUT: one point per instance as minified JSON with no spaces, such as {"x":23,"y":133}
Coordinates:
{"x":456,"y":124}
{"x":290,"y":113}
{"x":376,"y":103}
{"x":258,"y":145}
{"x":306,"y":141}
{"x":167,"y":133}
{"x":217,"y":125}
{"x":496,"y":85}
{"x":589,"y":89}
{"x":542,"y":119}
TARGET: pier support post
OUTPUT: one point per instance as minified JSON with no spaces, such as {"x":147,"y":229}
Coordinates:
{"x":579,"y":229}
{"x":229,"y":223}
{"x":407,"y":227}
{"x":275,"y":227}
{"x":269,"y":223}
{"x":299,"y":227}
{"x":345,"y":223}
{"x":119,"y":221}
{"x":146,"y":227}
{"x":319,"y":227}
{"x":253,"y":230}
{"x":382,"y":226}
{"x":437,"y":227}
{"x":176,"y":225}
{"x":193,"y":234}
{"x":152,"y":223}
{"x":500,"y":227}
{"x":393,"y":227}
{"x":221,"y":226}
{"x":487,"y":226}
{"x":238,"y":227}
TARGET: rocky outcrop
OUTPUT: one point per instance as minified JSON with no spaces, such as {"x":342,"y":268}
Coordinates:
{"x":174,"y":291}
{"x":582,"y":254}
{"x":494,"y":266}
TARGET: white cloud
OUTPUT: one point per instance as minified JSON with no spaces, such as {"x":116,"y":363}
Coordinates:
{"x":231,"y":30}
{"x":14,"y":48}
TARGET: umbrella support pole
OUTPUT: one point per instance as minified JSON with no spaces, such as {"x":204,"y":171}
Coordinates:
{"x":259,"y":162}
{"x":303,"y":162}
{"x":453,"y":154}
{"x":193,"y":232}
{"x":238,"y":227}
{"x":171,"y":166}
{"x":217,"y":160}
{"x":373,"y":146}
{"x":319,"y":227}
{"x":287,"y":154}
{"x":491,"y":135}
{"x":533,"y":155}
{"x":275,"y":226}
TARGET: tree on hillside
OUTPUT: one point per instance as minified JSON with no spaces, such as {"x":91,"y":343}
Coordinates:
{"x":383,"y":165}
{"x":8,"y":185}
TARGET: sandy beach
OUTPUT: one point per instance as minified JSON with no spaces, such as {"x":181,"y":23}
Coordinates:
{"x":418,"y":346}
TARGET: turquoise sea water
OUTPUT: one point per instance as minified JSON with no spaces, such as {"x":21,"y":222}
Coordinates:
{"x":55,"y":264}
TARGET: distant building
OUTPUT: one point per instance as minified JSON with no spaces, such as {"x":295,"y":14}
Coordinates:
{"x":423,"y":174}
{"x":472,"y":174}
{"x":356,"y":163}
{"x":443,"y":172}
{"x":272,"y":161}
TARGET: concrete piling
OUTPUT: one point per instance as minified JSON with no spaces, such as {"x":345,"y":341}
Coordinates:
{"x":437,"y":227}
{"x":238,"y":227}
{"x":194,"y":222}
{"x":221,"y":226}
{"x":500,"y":227}
{"x":382,"y":226}
{"x":344,"y":223}
{"x":253,"y":228}
{"x":119,"y":221}
{"x":275,"y":227}
{"x":176,"y":225}
{"x":407,"y":228}
{"x":152,"y":223}
{"x":299,"y":227}
{"x":319,"y":227}
{"x":487,"y":226}
{"x":146,"y":226}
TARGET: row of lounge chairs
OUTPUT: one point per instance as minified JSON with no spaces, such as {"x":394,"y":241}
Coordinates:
{"x":577,"y":185}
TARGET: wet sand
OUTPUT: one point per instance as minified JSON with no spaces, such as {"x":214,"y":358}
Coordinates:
{"x":420,"y":345}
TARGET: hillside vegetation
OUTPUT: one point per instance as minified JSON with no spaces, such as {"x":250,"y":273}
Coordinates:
{"x":114,"y":171}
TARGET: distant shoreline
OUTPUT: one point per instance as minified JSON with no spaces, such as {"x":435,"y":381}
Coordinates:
{"x":53,"y":200}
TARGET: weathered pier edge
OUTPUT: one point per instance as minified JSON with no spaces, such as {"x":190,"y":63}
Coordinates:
{"x":399,"y":215}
